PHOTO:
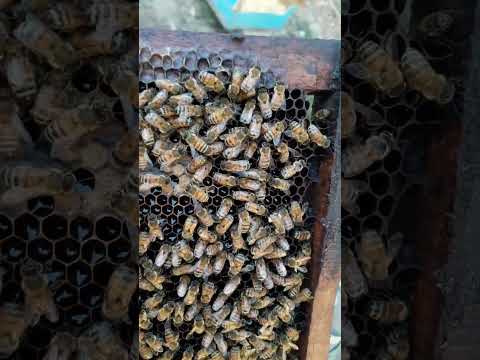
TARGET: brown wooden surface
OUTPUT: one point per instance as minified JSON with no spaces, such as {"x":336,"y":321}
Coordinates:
{"x":307,"y":65}
{"x":304,"y":64}
{"x":432,"y":238}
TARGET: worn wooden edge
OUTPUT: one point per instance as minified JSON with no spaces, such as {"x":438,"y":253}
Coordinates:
{"x":326,"y":256}
{"x":305,"y":64}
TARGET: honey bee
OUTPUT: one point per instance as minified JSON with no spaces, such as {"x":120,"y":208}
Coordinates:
{"x":155,"y":278}
{"x":274,"y":132}
{"x":251,"y":80}
{"x":359,"y":157}
{"x":184,"y":251}
{"x":72,"y":125}
{"x":189,"y":227}
{"x":144,"y":241}
{"x":155,"y":120}
{"x":158,"y":100}
{"x":388,"y":311}
{"x":38,"y":297}
{"x":37,"y":37}
{"x":203,"y":172}
{"x":244,"y":221}
{"x":298,"y":132}
{"x":265,"y":161}
{"x":166,"y":311}
{"x":255,"y":128}
{"x":278,"y":98}
{"x":317,"y":137}
{"x":373,"y":64}
{"x":263,"y":244}
{"x":101,"y":341}
{"x":224,"y":224}
{"x":215,"y":149}
{"x":21,"y":76}
{"x":235,"y":165}
{"x":214,"y":249}
{"x":183,"y":285}
{"x":264,"y":104}
{"x":351,"y":189}
{"x":144,"y":322}
{"x":214,"y":132}
{"x":181,"y":101}
{"x":375,"y":256}
{"x":199,"y":193}
{"x":186,"y":111}
{"x":420,"y":76}
{"x":14,"y":324}
{"x":171,"y":87}
{"x":144,"y":351}
{"x":297,"y":212}
{"x":298,"y":263}
{"x":178,"y":313}
{"x":353,"y":280}
{"x":224,"y":208}
{"x":149,"y":180}
{"x":247,"y":113}
{"x":235,"y":137}
{"x":236,"y":83}
{"x":204,"y":216}
{"x":188,"y":354}
{"x":196,"y":163}
{"x":211,"y":82}
{"x":62,"y":346}
{"x":148,"y":137}
{"x":162,"y":255}
{"x":171,"y":337}
{"x":255,"y":208}
{"x":291,"y":170}
{"x":218,"y":114}
{"x":167,"y":111}
{"x":145,"y":96}
{"x":206,"y":235}
{"x":302,"y":235}
{"x":250,"y":150}
{"x":196,"y":142}
{"x":208,"y":290}
{"x":438,"y":23}
{"x":237,"y":239}
{"x":219,"y":262}
{"x":232,"y":284}
{"x":197,"y":90}
{"x":154,"y":301}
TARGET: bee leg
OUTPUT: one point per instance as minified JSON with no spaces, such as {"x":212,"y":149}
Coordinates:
{"x":52,"y":312}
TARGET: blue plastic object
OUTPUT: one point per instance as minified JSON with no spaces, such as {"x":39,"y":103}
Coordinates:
{"x":233,"y":20}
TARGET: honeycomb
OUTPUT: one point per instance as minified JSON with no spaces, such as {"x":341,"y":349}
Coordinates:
{"x":79,"y":254}
{"x":173,"y":210}
{"x":77,"y":236}
{"x":395,"y":182}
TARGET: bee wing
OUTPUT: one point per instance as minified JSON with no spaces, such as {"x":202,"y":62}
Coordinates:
{"x":394,"y":244}
{"x":52,"y":311}
{"x":295,"y":153}
{"x":373,"y":118}
{"x":357,"y":70}
{"x":393,"y":45}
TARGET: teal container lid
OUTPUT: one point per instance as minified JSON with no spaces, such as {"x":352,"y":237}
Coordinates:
{"x":233,"y":20}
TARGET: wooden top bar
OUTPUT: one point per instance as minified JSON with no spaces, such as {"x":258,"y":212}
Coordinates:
{"x":306,"y":64}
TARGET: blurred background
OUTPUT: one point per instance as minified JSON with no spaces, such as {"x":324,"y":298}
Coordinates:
{"x":312,"y":18}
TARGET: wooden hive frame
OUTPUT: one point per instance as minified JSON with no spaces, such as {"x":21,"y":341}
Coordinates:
{"x":310,"y":65}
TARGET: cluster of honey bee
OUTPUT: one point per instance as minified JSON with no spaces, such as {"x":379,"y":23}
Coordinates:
{"x":230,"y":284}
{"x":367,"y":139}
{"x":68,"y":89}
